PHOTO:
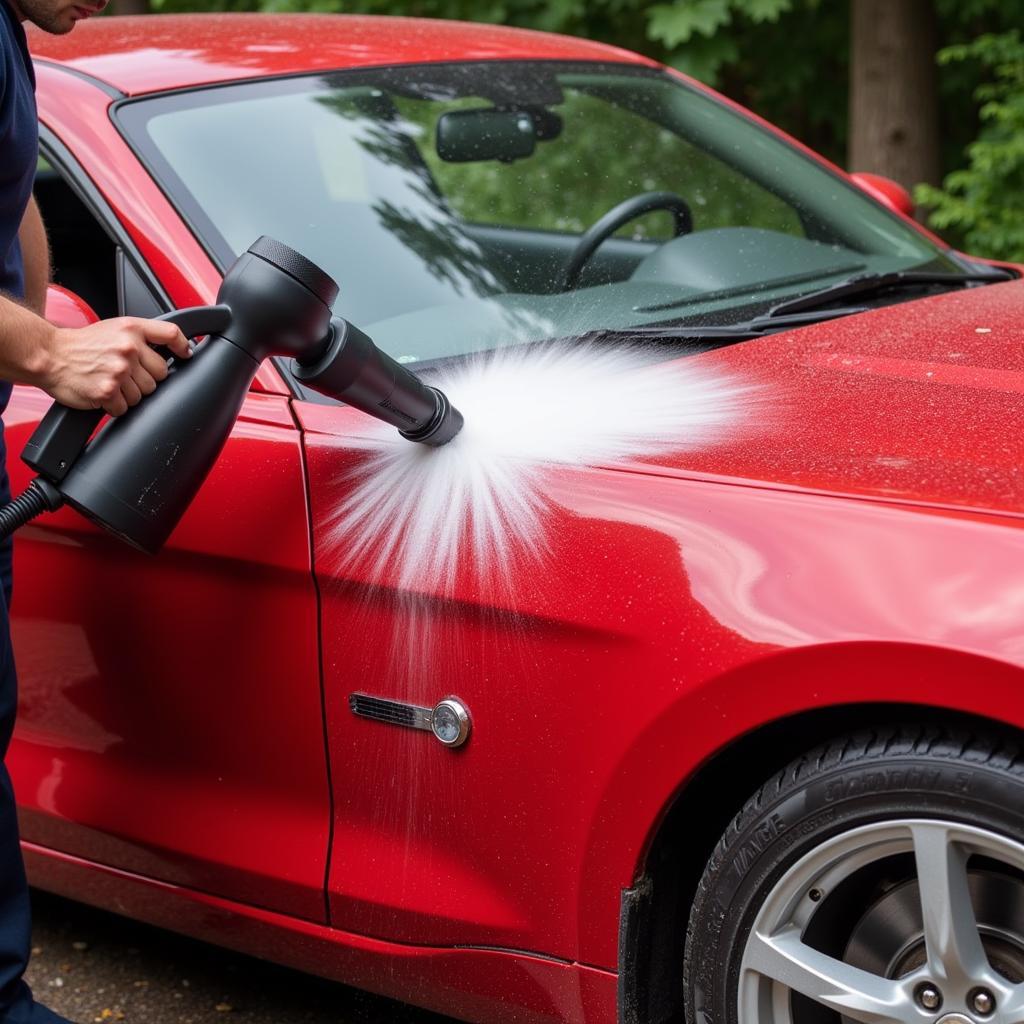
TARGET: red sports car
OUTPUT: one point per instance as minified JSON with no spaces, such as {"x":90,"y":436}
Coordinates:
{"x":699,"y":694}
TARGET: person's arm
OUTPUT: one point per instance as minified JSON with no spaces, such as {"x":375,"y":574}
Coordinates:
{"x":108,"y":365}
{"x":35,"y":254}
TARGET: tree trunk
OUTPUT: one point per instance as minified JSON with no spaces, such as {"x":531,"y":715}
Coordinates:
{"x":894,"y":100}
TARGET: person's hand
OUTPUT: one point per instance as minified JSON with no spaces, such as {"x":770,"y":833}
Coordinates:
{"x":110,"y":364}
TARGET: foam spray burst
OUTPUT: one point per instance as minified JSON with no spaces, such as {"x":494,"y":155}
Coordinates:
{"x":418,"y":512}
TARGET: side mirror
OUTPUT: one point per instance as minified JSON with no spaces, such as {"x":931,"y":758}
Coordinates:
{"x":888,"y":192}
{"x":66,"y":309}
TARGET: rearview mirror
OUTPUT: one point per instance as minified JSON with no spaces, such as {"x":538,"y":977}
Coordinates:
{"x":485,"y":134}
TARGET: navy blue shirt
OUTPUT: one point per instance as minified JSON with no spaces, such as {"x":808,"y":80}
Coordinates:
{"x":19,"y":150}
{"x":19,"y":146}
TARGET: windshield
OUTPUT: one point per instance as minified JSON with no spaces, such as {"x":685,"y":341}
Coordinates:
{"x":452,"y":202}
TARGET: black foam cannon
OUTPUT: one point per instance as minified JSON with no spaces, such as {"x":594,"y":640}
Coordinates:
{"x":140,"y":472}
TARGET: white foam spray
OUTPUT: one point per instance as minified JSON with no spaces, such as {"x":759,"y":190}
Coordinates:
{"x":416,"y":513}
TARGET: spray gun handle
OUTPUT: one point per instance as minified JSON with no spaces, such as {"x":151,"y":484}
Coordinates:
{"x":63,"y":432}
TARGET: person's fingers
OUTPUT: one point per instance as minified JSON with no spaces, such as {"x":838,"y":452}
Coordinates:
{"x":159,"y":332}
{"x":131,"y":392}
{"x":143,"y":380}
{"x":154,"y":364}
{"x":116,"y":406}
{"x":111,"y":364}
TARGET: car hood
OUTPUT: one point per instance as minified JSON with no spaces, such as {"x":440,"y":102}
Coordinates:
{"x":921,"y":401}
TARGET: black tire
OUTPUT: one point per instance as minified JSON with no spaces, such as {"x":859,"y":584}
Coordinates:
{"x":896,"y":774}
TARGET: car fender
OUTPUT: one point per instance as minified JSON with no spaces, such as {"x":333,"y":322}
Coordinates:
{"x":664,"y":759}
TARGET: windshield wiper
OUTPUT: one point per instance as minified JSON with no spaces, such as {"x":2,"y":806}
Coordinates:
{"x":757,"y":327}
{"x":865,"y":284}
{"x":799,"y":312}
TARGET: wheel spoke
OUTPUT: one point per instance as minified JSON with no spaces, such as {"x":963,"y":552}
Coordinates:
{"x":1012,"y":1011}
{"x":952,"y":939}
{"x":855,"y":993}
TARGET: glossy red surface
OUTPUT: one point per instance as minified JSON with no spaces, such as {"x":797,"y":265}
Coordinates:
{"x":858,"y":538}
{"x":709,"y":591}
{"x":139,"y":55}
{"x":169,"y":719}
{"x":455,"y":982}
{"x":910,"y":401}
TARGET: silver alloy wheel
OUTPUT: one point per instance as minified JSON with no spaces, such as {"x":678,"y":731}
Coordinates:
{"x":955,"y":948}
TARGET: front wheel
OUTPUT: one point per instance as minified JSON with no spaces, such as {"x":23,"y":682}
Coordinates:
{"x":879,"y":879}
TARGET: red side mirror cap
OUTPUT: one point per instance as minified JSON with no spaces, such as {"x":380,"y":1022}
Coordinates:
{"x":886,"y":191}
{"x":66,"y":309}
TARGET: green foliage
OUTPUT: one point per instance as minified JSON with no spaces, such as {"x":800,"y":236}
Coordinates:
{"x":982,"y":204}
{"x":679,"y":22}
{"x":703,"y":36}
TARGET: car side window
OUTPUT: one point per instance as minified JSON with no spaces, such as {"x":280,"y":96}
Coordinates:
{"x":86,"y":260}
{"x":571,"y":179}
{"x":81,"y":251}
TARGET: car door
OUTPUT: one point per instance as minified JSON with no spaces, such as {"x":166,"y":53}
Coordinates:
{"x":477,"y":846}
{"x":170,"y":715}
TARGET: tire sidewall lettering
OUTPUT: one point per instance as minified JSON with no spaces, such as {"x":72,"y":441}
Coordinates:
{"x":768,"y":839}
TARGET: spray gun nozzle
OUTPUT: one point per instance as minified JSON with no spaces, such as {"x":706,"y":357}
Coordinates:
{"x":352,"y":369}
{"x":445,"y":424}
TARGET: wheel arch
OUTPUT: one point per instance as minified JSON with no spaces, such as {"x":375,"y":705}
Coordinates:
{"x":651,"y":940}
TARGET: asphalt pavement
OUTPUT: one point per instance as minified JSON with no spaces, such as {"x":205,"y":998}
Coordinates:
{"x":97,"y":968}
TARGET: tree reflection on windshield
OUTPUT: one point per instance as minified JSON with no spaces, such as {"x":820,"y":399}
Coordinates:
{"x":423,"y":223}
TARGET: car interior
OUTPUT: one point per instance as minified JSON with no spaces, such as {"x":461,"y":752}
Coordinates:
{"x":82,"y":253}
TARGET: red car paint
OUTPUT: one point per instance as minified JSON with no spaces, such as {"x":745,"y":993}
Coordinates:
{"x":230,"y":47}
{"x":185,"y":751}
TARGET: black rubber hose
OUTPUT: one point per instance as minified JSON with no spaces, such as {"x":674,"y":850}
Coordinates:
{"x":37,"y":498}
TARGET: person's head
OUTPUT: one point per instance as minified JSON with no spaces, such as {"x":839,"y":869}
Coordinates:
{"x":56,"y":16}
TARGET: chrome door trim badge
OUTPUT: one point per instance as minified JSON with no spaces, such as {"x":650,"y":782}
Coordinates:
{"x":448,"y":720}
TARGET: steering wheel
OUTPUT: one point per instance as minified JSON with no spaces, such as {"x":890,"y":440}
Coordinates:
{"x":629,"y":209}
